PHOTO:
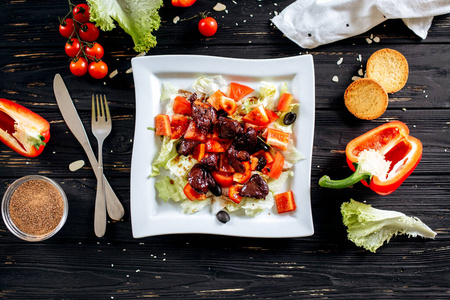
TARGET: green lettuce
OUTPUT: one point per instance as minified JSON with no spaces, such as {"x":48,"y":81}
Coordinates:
{"x":168,"y":151}
{"x":170,"y":188}
{"x":139,"y":18}
{"x":369,"y":227}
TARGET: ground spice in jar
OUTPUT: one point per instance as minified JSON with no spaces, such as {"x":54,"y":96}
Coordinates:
{"x":36,"y":207}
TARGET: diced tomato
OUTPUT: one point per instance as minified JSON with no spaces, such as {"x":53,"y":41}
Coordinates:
{"x":228,"y":105}
{"x":182,"y":106}
{"x":224,"y":165}
{"x":215,"y":98}
{"x":243,"y":177}
{"x":222,"y":178}
{"x":178,"y":125}
{"x":239,"y":91}
{"x":271,"y":115}
{"x":284,"y":102}
{"x":214,"y":146}
{"x":285,"y":202}
{"x":233,"y":193}
{"x":277,"y":138}
{"x":199,"y":152}
{"x":191,"y":194}
{"x":162,"y":124}
{"x":277,"y":166}
{"x":202,"y":104}
{"x":193,"y":133}
{"x":257,"y":116}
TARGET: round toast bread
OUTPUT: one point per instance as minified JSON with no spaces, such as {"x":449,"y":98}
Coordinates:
{"x":366,"y":99}
{"x":388,"y":67}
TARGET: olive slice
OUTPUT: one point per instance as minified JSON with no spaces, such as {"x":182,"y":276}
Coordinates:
{"x":223,"y":216}
{"x":289,"y":118}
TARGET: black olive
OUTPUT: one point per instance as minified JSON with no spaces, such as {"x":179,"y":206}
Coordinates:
{"x":289,"y":118}
{"x":223,"y":216}
{"x":262,"y":145}
{"x":216,"y":190}
{"x":262,"y":162}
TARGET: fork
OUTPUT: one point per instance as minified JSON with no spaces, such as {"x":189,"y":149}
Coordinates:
{"x":101,"y":128}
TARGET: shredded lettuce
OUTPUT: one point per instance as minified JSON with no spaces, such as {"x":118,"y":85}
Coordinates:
{"x":167,"y":152}
{"x":167,"y":91}
{"x":138,"y":18}
{"x":291,"y":154}
{"x":180,"y":165}
{"x":254,"y":207}
{"x":191,"y":207}
{"x":209,"y":85}
{"x":369,"y":227}
{"x":268,"y":94}
{"x":275,"y":185}
{"x":170,"y":188}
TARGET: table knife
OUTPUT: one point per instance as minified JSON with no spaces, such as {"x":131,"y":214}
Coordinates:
{"x":70,"y":115}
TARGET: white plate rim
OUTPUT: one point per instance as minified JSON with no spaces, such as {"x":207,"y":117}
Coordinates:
{"x":147,"y":73}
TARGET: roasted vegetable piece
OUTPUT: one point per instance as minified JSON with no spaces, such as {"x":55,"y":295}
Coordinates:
{"x":162,"y":123}
{"x":285,"y":202}
{"x":382,"y":159}
{"x":22,"y":130}
{"x":239,"y":91}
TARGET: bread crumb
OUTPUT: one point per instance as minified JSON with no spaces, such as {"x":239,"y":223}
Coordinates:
{"x":219,"y":7}
{"x":360,"y":72}
{"x":340,"y":60}
{"x":335,"y":79}
{"x":76,"y":165}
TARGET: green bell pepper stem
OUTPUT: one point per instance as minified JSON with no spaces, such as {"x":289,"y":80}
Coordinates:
{"x":356,"y":177}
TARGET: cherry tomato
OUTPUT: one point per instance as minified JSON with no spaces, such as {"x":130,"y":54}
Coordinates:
{"x":207,"y":26}
{"x":73,"y":47}
{"x":98,"y":69}
{"x":88,"y":32}
{"x":81,"y":13}
{"x":94,"y":52}
{"x":78,"y":66}
{"x":183,"y":3}
{"x":66,"y":28}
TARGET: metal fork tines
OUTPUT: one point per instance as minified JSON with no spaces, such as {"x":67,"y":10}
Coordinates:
{"x":101,"y":128}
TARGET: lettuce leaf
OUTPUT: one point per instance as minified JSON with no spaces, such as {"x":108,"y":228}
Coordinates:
{"x":369,"y":227}
{"x":191,"y":207}
{"x":138,"y":18}
{"x":209,"y":85}
{"x":170,"y":188}
{"x":167,"y":152}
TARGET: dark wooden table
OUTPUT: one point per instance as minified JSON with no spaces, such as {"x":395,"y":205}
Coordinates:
{"x":76,"y":264}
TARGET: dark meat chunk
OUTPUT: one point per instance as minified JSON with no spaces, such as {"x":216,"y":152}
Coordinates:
{"x":192,"y":97}
{"x":256,"y":187}
{"x":211,"y":161}
{"x":233,"y":160}
{"x":185,"y":147}
{"x":242,"y":155}
{"x":229,"y":128}
{"x":248,"y":140}
{"x":200,"y":179}
{"x":204,"y":117}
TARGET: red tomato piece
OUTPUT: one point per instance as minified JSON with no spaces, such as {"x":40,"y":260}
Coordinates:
{"x":89,"y":32}
{"x":183,"y":3}
{"x":98,"y":69}
{"x":277,"y":166}
{"x":284,"y":102}
{"x":162,"y":124}
{"x":207,"y":26}
{"x":233,"y":193}
{"x":285,"y":202}
{"x":257,"y":116}
{"x":277,"y":138}
{"x":179,"y":125}
{"x":271,"y":115}
{"x":199,"y":151}
{"x":214,"y":146}
{"x":96,"y":51}
{"x":67,"y":27}
{"x":222,"y":178}
{"x":191,"y":194}
{"x":182,"y":106}
{"x":81,"y":13}
{"x":239,"y":91}
{"x":73,"y":47}
{"x":193,"y":133}
{"x":78,"y":66}
{"x":215,"y":98}
{"x":228,"y":105}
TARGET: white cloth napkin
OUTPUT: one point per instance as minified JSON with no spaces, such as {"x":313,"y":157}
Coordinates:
{"x":311,"y":23}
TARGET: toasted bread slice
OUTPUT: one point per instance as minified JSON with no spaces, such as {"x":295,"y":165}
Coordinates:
{"x":366,"y":99}
{"x":388,"y":67}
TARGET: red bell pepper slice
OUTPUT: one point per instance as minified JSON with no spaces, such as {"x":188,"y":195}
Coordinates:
{"x":162,"y":124}
{"x":22,"y":130}
{"x":285,"y":202}
{"x":239,"y":91}
{"x":394,"y":142}
{"x":191,"y":194}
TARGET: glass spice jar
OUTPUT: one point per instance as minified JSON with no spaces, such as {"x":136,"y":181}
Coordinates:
{"x":34,"y":208}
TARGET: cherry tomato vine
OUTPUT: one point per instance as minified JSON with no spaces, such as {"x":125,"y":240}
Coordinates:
{"x":85,"y":52}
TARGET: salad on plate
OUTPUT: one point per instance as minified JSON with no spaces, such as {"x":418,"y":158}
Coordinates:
{"x":226,"y":145}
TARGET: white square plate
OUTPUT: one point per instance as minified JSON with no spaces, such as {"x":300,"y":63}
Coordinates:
{"x":150,"y":215}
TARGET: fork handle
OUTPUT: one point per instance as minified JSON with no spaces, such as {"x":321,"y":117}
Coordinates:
{"x":100,"y":199}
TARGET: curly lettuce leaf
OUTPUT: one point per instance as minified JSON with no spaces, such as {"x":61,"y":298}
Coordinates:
{"x":138,"y":18}
{"x":170,"y":188}
{"x":168,"y":151}
{"x":369,"y":227}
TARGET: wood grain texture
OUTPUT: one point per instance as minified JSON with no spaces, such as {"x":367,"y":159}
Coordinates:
{"x":74,"y":264}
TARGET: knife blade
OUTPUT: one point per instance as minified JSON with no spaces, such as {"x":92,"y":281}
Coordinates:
{"x":70,"y":115}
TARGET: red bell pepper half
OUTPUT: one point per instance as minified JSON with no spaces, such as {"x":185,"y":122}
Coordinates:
{"x":22,"y":130}
{"x":391,"y":140}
